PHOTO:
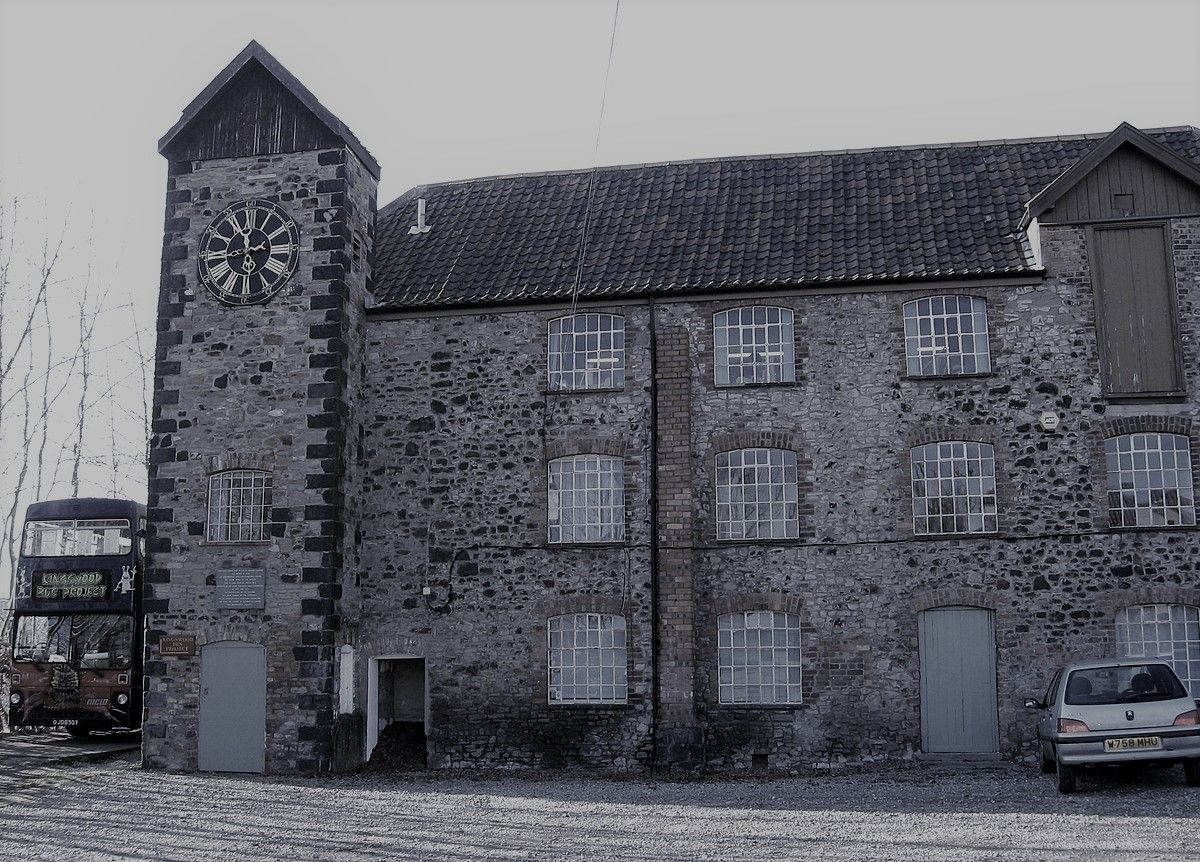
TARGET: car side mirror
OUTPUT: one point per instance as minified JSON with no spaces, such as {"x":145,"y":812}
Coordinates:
{"x":1034,"y":703}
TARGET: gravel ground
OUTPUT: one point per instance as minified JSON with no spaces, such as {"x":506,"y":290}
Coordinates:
{"x":117,"y":811}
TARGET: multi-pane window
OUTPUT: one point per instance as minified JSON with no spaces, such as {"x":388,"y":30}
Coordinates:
{"x":759,"y":657}
{"x":238,"y":503}
{"x":1150,"y":481}
{"x":587,"y":351}
{"x":946,"y":335}
{"x":757,"y":494}
{"x":754,"y":344}
{"x":1168,"y":632}
{"x":587,"y":659}
{"x":953,"y":488}
{"x":586,"y":496}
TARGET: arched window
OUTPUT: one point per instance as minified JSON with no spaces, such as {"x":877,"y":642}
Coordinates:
{"x":754,"y":344}
{"x":953,"y":488}
{"x":238,"y":505}
{"x":1169,"y":632}
{"x":587,"y":659}
{"x":757,"y":495}
{"x":586,"y":499}
{"x":586,"y":351}
{"x":758,"y":657}
{"x":1150,"y":481}
{"x":946,"y":335}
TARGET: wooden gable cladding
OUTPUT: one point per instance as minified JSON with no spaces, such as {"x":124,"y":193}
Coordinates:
{"x":252,"y":115}
{"x":1126,"y":184}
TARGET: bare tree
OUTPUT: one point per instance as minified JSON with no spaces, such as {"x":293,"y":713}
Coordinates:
{"x":52,"y":412}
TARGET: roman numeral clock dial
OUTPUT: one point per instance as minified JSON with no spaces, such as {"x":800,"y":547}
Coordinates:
{"x":248,"y":253}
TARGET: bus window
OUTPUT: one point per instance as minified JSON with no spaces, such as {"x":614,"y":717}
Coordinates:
{"x":90,"y":641}
{"x":90,"y":538}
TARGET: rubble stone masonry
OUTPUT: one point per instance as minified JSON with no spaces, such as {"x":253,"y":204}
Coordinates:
{"x":271,"y":387}
{"x":459,"y":427}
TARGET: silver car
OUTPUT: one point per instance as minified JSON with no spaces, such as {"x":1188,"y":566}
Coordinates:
{"x":1116,"y":711}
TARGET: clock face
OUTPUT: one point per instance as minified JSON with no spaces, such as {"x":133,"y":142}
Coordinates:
{"x":249,"y":252}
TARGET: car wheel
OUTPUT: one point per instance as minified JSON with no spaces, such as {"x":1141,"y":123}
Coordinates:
{"x":1068,"y":778}
{"x":1191,"y":771}
{"x":79,"y":732}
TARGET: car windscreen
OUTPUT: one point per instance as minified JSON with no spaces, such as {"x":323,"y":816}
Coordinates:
{"x":1096,"y":686}
{"x":85,"y":641}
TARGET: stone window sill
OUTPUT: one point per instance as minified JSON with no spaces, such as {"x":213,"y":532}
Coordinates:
{"x":258,"y":543}
{"x":1160,"y":528}
{"x":605,"y":391}
{"x":941,"y":378}
{"x":578,"y":545}
{"x":737,"y":543}
{"x":936,"y":537}
{"x":734,"y":387}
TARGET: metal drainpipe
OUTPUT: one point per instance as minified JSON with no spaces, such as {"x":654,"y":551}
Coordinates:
{"x":653,"y":466}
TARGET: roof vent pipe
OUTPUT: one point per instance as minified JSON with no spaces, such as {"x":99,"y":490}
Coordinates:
{"x":420,"y":226}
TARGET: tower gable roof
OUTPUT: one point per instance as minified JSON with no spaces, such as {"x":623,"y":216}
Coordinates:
{"x":255,"y":57}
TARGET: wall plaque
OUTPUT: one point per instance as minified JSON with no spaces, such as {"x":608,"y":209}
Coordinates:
{"x":177,"y":646}
{"x":241,"y":588}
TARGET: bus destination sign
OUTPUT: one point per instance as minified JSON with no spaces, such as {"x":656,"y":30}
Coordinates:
{"x":59,"y":586}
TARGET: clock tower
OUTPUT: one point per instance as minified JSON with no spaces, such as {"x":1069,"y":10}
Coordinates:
{"x":250,"y":589}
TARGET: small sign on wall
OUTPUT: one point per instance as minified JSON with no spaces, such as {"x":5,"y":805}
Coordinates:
{"x":177,"y":646}
{"x":242,"y":589}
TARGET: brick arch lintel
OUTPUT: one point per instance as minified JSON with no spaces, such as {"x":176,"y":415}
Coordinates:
{"x":1146,"y":424}
{"x":248,"y":633}
{"x":951,"y":433}
{"x":781,"y":602}
{"x":585,"y":444}
{"x":941,"y":597}
{"x":238,"y":460}
{"x":754,"y":438}
{"x":1153,"y":594}
{"x":578,"y":604}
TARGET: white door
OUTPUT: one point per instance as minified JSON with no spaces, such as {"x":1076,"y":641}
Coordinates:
{"x":958,"y":680}
{"x":233,"y":707}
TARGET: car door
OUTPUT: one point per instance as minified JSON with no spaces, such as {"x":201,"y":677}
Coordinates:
{"x":1049,"y":717}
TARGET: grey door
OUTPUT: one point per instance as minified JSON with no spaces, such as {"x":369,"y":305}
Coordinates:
{"x":233,"y":707}
{"x":958,"y":680}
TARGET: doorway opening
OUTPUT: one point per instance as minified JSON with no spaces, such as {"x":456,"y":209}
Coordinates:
{"x":397,"y":713}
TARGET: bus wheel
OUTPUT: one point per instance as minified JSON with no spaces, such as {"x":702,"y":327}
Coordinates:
{"x":79,"y":732}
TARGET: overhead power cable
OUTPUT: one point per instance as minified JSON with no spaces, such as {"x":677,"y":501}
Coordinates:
{"x":591,"y":191}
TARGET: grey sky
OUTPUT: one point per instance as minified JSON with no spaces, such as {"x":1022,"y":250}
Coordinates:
{"x":451,"y":90}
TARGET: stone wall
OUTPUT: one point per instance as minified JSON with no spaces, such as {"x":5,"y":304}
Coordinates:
{"x":459,"y":428}
{"x":269,"y":387}
{"x":458,"y":425}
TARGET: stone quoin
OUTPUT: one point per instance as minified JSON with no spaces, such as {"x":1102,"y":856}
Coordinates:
{"x":473,"y":476}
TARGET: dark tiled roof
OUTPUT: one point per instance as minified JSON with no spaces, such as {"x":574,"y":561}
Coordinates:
{"x":873,"y":215}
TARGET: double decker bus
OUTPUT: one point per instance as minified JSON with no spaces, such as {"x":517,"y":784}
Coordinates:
{"x":77,"y":633}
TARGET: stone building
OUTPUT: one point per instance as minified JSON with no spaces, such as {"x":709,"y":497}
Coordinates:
{"x":747,"y":462}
